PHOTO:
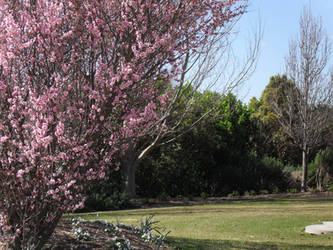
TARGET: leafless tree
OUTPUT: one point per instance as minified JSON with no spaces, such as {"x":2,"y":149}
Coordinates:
{"x":304,"y":112}
{"x":213,"y":65}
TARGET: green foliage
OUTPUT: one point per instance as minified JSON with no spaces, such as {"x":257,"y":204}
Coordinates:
{"x":320,"y":171}
{"x":234,"y":193}
{"x":223,"y":153}
{"x":330,"y":188}
{"x":149,"y":231}
{"x":312,"y":172}
{"x":250,"y":193}
{"x":292,"y":190}
{"x":118,"y":200}
{"x":272,"y":140}
{"x":324,"y":159}
{"x":207,"y":158}
{"x":275,"y":190}
{"x":203,"y":195}
{"x":272,"y":163}
{"x":106,"y":195}
{"x":314,"y":190}
{"x":216,"y":157}
{"x":263,"y":191}
{"x":272,"y":174}
{"x":162,"y":196}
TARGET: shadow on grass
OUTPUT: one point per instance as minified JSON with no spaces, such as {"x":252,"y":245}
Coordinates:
{"x":286,"y":200}
{"x":193,"y":244}
{"x":283,"y":201}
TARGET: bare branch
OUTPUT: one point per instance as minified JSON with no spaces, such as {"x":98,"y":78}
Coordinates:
{"x":307,"y":101}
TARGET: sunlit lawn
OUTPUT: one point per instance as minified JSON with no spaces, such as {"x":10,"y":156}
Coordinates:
{"x":273,"y":224}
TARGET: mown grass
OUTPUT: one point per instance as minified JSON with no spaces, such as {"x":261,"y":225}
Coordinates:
{"x":270,"y":224}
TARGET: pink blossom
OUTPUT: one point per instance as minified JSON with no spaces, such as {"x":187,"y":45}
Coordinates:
{"x":3,"y":139}
{"x":102,"y":175}
{"x":74,"y":72}
{"x":59,"y":129}
{"x":20,"y":173}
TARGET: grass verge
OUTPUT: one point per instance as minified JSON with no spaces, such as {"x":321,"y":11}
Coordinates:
{"x":264,"y":224}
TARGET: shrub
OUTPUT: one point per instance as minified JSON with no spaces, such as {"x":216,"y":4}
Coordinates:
{"x":190,"y":197}
{"x":203,"y":195}
{"x":330,"y":188}
{"x":275,"y":190}
{"x":321,"y":169}
{"x":148,"y":231}
{"x":252,"y":192}
{"x":314,"y":190}
{"x":292,"y":191}
{"x":234,"y":193}
{"x":118,"y":200}
{"x":273,"y":174}
{"x":162,"y":197}
{"x":263,"y":191}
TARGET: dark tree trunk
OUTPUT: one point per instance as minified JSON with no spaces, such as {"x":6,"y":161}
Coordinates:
{"x":128,"y":168}
{"x":35,"y":240}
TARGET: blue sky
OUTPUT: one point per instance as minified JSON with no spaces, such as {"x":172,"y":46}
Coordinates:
{"x":280,"y":21}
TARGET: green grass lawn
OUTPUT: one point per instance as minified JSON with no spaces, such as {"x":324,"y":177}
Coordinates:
{"x":271,"y":224}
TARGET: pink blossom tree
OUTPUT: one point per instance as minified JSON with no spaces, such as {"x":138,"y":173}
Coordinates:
{"x":78,"y":81}
{"x":210,"y":63}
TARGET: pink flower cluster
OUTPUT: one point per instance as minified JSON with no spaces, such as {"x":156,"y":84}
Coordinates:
{"x":78,"y":81}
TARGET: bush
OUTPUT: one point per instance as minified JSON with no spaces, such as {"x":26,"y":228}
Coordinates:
{"x":272,"y":163}
{"x":321,"y":169}
{"x":273,"y":175}
{"x":263,"y":191}
{"x":314,"y":190}
{"x":252,"y":192}
{"x":275,"y":190}
{"x":203,"y":195}
{"x":118,"y":200}
{"x":106,"y":195}
{"x":330,"y":188}
{"x":162,"y":197}
{"x":190,"y":197}
{"x":292,"y":191}
{"x":234,"y":193}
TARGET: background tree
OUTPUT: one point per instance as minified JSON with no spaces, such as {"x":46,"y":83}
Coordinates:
{"x":198,"y":64}
{"x":47,"y":123}
{"x":272,"y":140}
{"x":309,"y":98}
{"x":321,"y":169}
{"x":214,"y":158}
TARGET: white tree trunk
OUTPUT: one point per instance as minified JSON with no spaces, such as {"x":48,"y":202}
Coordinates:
{"x":304,"y":170}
